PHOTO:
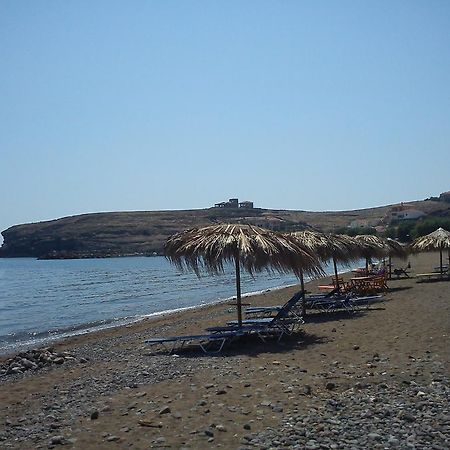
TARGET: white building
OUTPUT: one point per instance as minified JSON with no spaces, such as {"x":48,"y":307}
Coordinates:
{"x":407,"y":214}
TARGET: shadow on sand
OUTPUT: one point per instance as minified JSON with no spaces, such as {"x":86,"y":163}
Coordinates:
{"x":399,"y":288}
{"x":322,"y":317}
{"x":252,"y":345}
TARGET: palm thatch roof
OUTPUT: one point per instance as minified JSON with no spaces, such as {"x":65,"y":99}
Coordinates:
{"x":253,"y":247}
{"x":248,"y":246}
{"x":396,"y":249}
{"x":327,"y":246}
{"x":371,"y":245}
{"x":437,"y":240}
{"x":340,"y":247}
{"x":374,"y":246}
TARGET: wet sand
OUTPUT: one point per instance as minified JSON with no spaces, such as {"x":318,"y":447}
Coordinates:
{"x":119,"y":393}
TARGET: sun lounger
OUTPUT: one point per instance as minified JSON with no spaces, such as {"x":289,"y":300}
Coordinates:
{"x":284,"y":322}
{"x":347,"y":302}
{"x":269,"y":311}
{"x":209,"y":343}
{"x":331,"y":304}
{"x":262,"y":330}
{"x":365,"y":301}
{"x":432,"y":276}
{"x":289,"y":309}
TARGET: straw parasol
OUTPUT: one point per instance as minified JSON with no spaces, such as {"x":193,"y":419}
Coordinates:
{"x":339,"y":247}
{"x":395,"y":249}
{"x":374,"y":246}
{"x":437,"y":240}
{"x":246,"y":246}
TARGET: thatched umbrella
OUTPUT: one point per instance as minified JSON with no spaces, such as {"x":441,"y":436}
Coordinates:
{"x":372,"y":247}
{"x":437,"y":240}
{"x":339,"y":247}
{"x":378,"y":247}
{"x":395,"y":249}
{"x":247,"y":246}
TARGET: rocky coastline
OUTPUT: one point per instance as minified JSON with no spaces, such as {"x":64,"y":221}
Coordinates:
{"x":376,"y":379}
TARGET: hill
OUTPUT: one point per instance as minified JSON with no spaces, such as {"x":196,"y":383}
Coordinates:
{"x":144,"y":233}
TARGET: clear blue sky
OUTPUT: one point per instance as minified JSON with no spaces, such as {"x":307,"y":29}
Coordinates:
{"x":153,"y":105}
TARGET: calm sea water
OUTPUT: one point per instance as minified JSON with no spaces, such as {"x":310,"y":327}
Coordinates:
{"x":45,"y":300}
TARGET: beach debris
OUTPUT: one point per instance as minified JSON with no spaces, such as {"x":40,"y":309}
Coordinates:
{"x":56,"y":440}
{"x":33,"y":360}
{"x":150,"y":424}
{"x":113,"y":438}
{"x":165,"y":410}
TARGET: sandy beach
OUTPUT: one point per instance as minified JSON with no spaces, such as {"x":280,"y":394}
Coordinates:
{"x":378,"y":378}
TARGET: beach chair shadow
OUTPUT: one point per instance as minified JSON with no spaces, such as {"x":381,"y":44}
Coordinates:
{"x":251,"y":345}
{"x":399,"y":288}
{"x":323,"y":317}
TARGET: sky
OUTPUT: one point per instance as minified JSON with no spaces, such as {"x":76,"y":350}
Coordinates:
{"x":161,"y":105}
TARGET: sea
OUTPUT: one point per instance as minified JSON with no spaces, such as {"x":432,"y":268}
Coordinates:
{"x":45,"y":300}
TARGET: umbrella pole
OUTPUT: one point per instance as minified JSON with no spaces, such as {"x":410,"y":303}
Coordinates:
{"x":390,"y":267}
{"x":238,"y":291}
{"x":440,"y":255}
{"x":336,"y":275}
{"x":302,"y":287}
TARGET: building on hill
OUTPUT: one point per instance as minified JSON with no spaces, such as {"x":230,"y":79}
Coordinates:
{"x":234,"y":203}
{"x":246,"y":204}
{"x":405,"y":214}
{"x":445,"y":197}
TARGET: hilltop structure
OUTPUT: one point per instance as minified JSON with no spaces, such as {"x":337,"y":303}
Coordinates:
{"x":400,"y":212}
{"x":134,"y":233}
{"x":234,"y":203}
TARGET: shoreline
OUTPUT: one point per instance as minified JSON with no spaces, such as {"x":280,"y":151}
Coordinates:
{"x":17,"y":341}
{"x":85,"y":329}
{"x":29,"y":340}
{"x":385,"y":368}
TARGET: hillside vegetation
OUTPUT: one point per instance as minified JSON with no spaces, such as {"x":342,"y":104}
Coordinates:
{"x":144,"y":233}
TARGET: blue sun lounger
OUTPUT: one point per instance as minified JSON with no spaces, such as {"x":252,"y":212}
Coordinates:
{"x":287,"y":311}
{"x":284,"y":322}
{"x":262,"y":330}
{"x":209,"y":343}
{"x":347,"y":303}
{"x":268,"y":311}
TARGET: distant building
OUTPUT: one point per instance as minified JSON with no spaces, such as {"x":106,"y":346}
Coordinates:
{"x":246,"y":204}
{"x":407,"y":214}
{"x":445,"y":197}
{"x":234,"y":203}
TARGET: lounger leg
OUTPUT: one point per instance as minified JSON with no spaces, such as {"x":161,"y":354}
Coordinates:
{"x":205,"y":347}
